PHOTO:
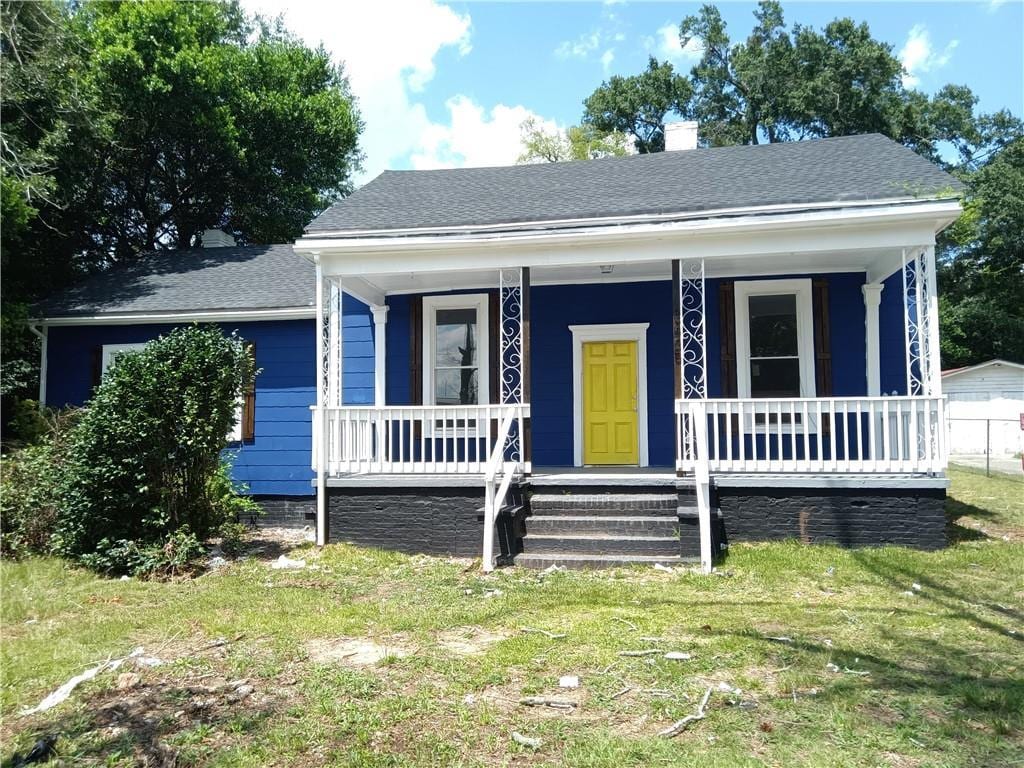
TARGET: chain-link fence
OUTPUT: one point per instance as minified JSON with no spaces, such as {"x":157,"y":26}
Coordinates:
{"x":988,"y":444}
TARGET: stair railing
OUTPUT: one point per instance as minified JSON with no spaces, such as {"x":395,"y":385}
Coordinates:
{"x":498,"y":475}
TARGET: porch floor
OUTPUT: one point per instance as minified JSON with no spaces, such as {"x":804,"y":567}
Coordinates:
{"x":603,"y":476}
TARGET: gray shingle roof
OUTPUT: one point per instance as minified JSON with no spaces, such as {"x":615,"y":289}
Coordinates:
{"x":867,"y":167}
{"x":192,"y":280}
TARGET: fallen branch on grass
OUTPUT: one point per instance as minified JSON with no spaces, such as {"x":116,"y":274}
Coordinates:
{"x":526,"y":741}
{"x":543,"y":701}
{"x":551,"y":635}
{"x":627,"y":622}
{"x":643,"y":652}
{"x":680,"y":725}
{"x":621,"y":692}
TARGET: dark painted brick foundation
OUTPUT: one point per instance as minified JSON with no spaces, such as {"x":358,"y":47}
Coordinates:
{"x":852,"y":517}
{"x":285,"y":511}
{"x":436,"y":521}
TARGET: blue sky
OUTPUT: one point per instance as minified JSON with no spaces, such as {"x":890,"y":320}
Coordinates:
{"x":444,"y":85}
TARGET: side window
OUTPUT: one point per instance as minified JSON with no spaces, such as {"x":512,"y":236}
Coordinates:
{"x":455,"y":346}
{"x":244,"y":430}
{"x":774,"y":338}
{"x":111,"y":353}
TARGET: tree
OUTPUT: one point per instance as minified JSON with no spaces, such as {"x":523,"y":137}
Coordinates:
{"x":981,"y":266}
{"x":577,"y":142}
{"x":637,"y":105}
{"x":129,"y":127}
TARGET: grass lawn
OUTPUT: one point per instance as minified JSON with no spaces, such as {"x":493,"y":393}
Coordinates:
{"x":816,"y":656}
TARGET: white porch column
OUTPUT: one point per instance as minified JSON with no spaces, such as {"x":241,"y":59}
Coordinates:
{"x":933,"y":362}
{"x":320,"y":425}
{"x":380,"y":325}
{"x":872,"y":299}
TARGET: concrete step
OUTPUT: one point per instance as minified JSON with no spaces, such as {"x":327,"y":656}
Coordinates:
{"x":614,"y":504}
{"x":578,"y":562}
{"x":639,"y":525}
{"x":600,"y":544}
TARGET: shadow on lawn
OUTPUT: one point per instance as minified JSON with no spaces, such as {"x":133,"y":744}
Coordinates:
{"x":153,"y":723}
{"x":978,"y":687}
{"x":955,"y":510}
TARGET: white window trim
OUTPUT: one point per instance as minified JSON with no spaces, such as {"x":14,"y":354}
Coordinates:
{"x":608,"y":332}
{"x":477,"y":301}
{"x":110,"y":351}
{"x":744,"y":289}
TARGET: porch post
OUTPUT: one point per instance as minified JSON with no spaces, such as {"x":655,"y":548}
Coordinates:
{"x":933,"y":364}
{"x":921,"y":321}
{"x":872,"y":300}
{"x":513,"y":354}
{"x":380,"y":324}
{"x":320,"y":425}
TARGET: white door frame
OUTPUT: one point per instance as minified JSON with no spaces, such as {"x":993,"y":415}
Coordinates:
{"x":608,"y":332}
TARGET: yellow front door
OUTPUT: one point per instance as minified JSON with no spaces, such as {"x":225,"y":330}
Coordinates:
{"x":610,"y":434}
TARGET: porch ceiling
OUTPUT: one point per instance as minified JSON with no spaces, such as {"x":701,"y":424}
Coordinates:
{"x":880,"y":262}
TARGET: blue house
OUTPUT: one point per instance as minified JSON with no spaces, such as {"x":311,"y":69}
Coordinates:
{"x":632,"y":359}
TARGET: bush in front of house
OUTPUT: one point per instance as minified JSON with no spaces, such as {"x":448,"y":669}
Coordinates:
{"x":140,"y":491}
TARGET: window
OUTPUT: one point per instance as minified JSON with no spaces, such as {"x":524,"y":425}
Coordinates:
{"x":111,"y":353}
{"x":775,"y":338}
{"x":455,"y":350}
{"x":245,"y":412}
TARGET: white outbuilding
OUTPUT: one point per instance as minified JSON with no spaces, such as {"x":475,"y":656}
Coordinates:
{"x":986,"y":403}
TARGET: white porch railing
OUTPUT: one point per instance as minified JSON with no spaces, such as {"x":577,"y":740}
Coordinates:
{"x":830,"y":434}
{"x":429,"y":439}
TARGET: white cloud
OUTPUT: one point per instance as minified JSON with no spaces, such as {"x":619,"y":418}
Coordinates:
{"x":665,"y":45}
{"x":607,"y":58}
{"x":995,"y":5}
{"x":918,"y":57}
{"x":475,"y":136}
{"x":581,"y":47}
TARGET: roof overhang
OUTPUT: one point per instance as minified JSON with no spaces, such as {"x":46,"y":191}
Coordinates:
{"x":197,"y":316}
{"x":727,"y":234}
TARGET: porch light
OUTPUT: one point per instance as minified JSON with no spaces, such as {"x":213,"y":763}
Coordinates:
{"x":606,"y":269}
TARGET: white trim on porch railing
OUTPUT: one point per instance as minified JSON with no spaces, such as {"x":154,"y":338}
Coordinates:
{"x":847,"y":435}
{"x":608,"y":332}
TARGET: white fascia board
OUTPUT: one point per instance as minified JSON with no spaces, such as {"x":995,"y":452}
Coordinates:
{"x":604,"y":221}
{"x":852,"y":229}
{"x":212,"y":316}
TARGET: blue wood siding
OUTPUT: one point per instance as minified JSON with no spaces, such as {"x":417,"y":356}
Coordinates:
{"x":278,"y":460}
{"x":892,"y":337}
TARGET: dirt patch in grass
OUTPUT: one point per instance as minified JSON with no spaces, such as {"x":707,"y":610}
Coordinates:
{"x":469,"y":640}
{"x":157,"y":718}
{"x":356,"y":651}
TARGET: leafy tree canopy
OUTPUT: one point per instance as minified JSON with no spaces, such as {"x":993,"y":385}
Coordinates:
{"x":577,"y":142}
{"x":135,"y":126}
{"x":637,"y":105}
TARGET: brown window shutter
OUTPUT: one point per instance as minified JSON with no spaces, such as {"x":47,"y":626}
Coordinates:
{"x":416,"y":350}
{"x":493,"y":335}
{"x":249,"y":402}
{"x":727,"y":327}
{"x":97,"y":366}
{"x":822,"y":340}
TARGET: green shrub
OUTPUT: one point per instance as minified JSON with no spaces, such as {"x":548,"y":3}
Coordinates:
{"x":141,"y":460}
{"x":30,"y":488}
{"x":28,"y":424}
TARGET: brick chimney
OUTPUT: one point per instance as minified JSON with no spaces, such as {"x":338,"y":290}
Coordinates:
{"x":680,"y":135}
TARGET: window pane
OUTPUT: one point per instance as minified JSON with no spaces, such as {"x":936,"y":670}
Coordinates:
{"x":456,"y":337}
{"x":775,"y":378}
{"x":456,"y":386}
{"x":773,"y":326}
